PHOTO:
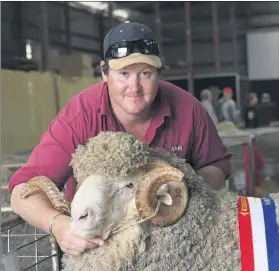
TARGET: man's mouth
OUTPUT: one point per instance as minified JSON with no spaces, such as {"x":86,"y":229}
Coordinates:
{"x":134,"y":96}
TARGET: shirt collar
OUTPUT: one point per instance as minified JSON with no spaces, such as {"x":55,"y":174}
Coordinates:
{"x":104,"y":101}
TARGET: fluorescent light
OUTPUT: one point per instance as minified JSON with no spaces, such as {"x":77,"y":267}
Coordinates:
{"x":104,"y":6}
{"x":95,"y":5}
{"x":121,"y":13}
{"x":28,"y":50}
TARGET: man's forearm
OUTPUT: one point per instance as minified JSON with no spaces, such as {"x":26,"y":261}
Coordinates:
{"x":213,"y":176}
{"x":36,"y":209}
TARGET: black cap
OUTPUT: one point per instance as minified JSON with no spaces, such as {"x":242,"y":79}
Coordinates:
{"x":127,"y":32}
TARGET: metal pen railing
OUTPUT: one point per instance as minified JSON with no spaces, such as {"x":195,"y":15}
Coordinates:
{"x":23,"y":247}
{"x":7,"y":226}
{"x":237,"y":146}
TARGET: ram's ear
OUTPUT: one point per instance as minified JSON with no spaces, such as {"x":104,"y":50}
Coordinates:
{"x":163,"y":195}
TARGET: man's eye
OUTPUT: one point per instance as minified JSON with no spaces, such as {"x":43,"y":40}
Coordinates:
{"x":124,"y":74}
{"x":146,"y":74}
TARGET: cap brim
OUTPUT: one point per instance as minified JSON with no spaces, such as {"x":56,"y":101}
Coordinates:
{"x":117,"y":64}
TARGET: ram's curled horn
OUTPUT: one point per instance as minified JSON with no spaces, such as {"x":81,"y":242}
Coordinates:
{"x":42,"y":183}
{"x":159,"y":173}
{"x":155,"y":162}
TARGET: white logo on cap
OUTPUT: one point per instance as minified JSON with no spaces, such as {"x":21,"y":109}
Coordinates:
{"x":126,"y":22}
{"x":122,"y":51}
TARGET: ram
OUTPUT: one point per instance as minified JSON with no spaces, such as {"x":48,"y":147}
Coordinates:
{"x":156,"y":213}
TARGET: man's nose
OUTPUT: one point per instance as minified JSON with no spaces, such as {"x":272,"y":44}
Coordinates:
{"x":134,"y":83}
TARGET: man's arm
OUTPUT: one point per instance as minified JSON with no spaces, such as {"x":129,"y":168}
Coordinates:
{"x":213,"y":176}
{"x":32,"y":208}
{"x":210,"y":157}
{"x":50,"y":158}
{"x":233,"y":112}
{"x":38,"y":212}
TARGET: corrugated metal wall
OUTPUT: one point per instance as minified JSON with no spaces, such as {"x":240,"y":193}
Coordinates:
{"x":29,"y":104}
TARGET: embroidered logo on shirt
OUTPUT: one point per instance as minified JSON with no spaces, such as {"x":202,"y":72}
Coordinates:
{"x":176,"y":148}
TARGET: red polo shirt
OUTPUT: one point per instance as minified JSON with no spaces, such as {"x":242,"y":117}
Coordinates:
{"x":180,"y":124}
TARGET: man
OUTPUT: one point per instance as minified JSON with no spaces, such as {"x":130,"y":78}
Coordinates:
{"x":228,"y":107}
{"x":206,"y":101}
{"x":267,"y":111}
{"x":215,"y":91}
{"x":250,"y":111}
{"x":131,"y":98}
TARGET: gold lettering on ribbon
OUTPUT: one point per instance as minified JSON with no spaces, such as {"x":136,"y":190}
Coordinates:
{"x":243,"y":206}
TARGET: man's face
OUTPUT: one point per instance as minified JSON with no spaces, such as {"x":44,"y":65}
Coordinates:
{"x":133,"y":88}
{"x":255,"y":100}
{"x":228,"y":95}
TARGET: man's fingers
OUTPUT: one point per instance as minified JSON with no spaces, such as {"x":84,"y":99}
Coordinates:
{"x":97,"y":240}
{"x":87,"y":243}
{"x":91,"y":245}
{"x":71,"y":247}
{"x":75,"y":245}
{"x":82,"y":243}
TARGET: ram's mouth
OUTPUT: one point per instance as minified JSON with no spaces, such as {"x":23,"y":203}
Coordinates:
{"x":86,"y":233}
{"x":76,"y":226}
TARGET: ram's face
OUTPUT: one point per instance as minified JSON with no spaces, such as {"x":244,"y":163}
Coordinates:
{"x":100,"y":204}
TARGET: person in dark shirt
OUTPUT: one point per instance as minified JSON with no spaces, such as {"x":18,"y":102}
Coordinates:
{"x":215,"y":101}
{"x":267,"y":111}
{"x":250,"y":111}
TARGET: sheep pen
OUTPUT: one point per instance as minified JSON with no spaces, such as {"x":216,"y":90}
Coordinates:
{"x":205,"y":237}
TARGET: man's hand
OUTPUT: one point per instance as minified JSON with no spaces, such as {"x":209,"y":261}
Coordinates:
{"x":68,"y":241}
{"x":31,"y":208}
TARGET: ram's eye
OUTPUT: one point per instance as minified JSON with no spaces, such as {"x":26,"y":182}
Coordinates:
{"x":130,"y":185}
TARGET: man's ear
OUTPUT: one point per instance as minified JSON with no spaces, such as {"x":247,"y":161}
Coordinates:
{"x":104,"y":77}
